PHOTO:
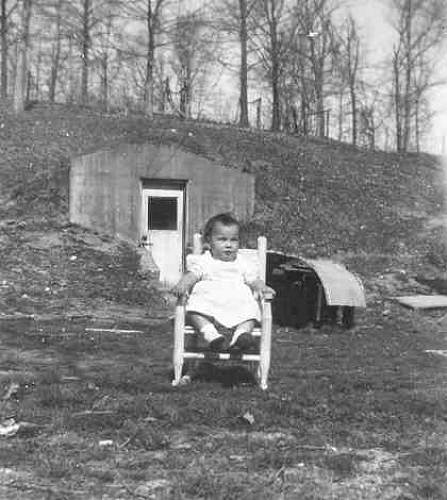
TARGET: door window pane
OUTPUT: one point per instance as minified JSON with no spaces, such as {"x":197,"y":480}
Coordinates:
{"x":162,"y":214}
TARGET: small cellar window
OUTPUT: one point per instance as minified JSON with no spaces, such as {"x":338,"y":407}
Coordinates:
{"x":162,"y":214}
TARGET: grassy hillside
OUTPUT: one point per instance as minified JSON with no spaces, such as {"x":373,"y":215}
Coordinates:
{"x":313,"y":197}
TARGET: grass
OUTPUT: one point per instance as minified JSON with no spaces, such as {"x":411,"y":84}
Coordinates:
{"x":350,"y":414}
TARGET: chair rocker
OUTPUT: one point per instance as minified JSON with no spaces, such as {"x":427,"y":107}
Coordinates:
{"x":185,"y":351}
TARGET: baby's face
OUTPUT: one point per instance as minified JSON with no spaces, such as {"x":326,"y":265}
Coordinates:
{"x":224,"y":242}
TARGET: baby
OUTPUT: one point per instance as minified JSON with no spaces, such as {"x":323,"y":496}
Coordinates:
{"x":221,"y":286}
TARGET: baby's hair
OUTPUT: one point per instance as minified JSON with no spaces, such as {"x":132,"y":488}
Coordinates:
{"x":226,"y":219}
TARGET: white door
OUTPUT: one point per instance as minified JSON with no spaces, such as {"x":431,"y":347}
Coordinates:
{"x":163,"y":221}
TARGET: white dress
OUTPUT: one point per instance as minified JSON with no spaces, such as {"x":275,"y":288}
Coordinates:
{"x":222,"y":292}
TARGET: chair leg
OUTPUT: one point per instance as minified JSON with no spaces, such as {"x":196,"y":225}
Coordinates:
{"x":264,"y":362}
{"x":178,"y":366}
{"x":177,"y":359}
{"x":263,"y":373}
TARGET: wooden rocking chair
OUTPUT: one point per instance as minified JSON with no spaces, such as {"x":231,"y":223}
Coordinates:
{"x":184,"y":351}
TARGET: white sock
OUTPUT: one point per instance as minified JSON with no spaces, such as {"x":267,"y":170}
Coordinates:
{"x":209,"y":332}
{"x":237,"y":333}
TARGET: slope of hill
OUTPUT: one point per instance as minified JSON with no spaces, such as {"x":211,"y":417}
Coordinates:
{"x":377,"y":212}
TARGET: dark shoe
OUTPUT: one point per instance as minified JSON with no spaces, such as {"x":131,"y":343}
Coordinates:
{"x":244,"y":343}
{"x":218,"y":344}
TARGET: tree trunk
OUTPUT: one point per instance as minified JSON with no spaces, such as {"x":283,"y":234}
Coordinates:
{"x":85,"y":50}
{"x":106,"y":43}
{"x":149,"y":83}
{"x":397,"y":99}
{"x":417,"y":132}
{"x":274,"y":49}
{"x":354,"y":114}
{"x":243,"y":98}
{"x":168,"y":93}
{"x":303,"y":110}
{"x":162,"y":89}
{"x":185,"y":91}
{"x":317,"y":65}
{"x":276,"y":104}
{"x":294,"y":118}
{"x":28,"y":86}
{"x":320,"y":110}
{"x":352,"y":54}
{"x":55,"y":57}
{"x":258,"y":113}
{"x":72,"y":78}
{"x":13,"y":75}
{"x":105,"y":81}
{"x":188,"y":90}
{"x":408,"y":75}
{"x":340,"y":114}
{"x":54,"y":74}
{"x":4,"y":50}
{"x":37,"y":75}
{"x":22,"y":59}
{"x":162,"y":100}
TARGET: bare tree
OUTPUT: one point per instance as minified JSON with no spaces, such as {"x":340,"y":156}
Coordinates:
{"x":272,"y":12}
{"x":22,"y":56}
{"x":321,"y":54}
{"x":243,"y":72}
{"x":75,"y":21}
{"x":420,"y":26}
{"x":82,"y":19}
{"x":275,"y":34}
{"x":103,"y":56}
{"x":52,"y":13}
{"x":195,"y":48}
{"x":397,"y":98}
{"x":235,"y":18}
{"x":152,"y":23}
{"x":150,"y":13}
{"x":87,"y":24}
{"x":351,"y":49}
{"x":312,"y":60}
{"x":422,"y":82}
{"x":301,"y":78}
{"x":4,"y":50}
{"x":185,"y":39}
{"x":55,"y":53}
{"x":5,"y":22}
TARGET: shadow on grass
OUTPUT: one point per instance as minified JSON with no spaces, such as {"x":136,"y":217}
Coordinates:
{"x":228,"y":376}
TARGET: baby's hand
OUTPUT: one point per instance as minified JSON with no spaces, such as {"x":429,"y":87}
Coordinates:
{"x":267,"y":292}
{"x":181,"y":292}
{"x":181,"y":289}
{"x":262,"y":291}
{"x":184,"y":286}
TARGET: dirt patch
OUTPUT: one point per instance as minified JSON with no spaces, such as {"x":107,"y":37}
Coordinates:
{"x":360,"y":474}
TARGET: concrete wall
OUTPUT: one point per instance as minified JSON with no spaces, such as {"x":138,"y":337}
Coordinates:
{"x":106,"y":188}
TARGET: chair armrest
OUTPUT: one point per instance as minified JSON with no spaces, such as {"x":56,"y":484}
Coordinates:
{"x":266,"y":307}
{"x":268,"y":297}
